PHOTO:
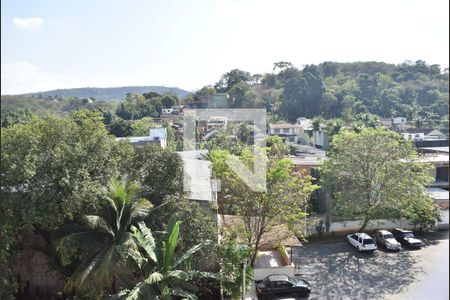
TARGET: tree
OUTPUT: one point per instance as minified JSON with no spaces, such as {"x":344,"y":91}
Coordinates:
{"x":168,"y":101}
{"x":104,"y":236}
{"x":196,"y":227}
{"x":374,"y":173}
{"x":142,"y":126}
{"x":160,"y":172}
{"x":18,"y":117}
{"x":282,"y":65}
{"x":162,"y":275}
{"x":281,"y":203}
{"x":121,"y":128}
{"x":231,"y":78}
{"x":53,"y":170}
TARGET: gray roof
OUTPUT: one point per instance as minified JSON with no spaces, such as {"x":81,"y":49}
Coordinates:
{"x":438,"y":193}
{"x":197,"y":183}
{"x":436,"y":149}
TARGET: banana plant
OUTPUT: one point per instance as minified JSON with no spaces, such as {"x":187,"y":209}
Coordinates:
{"x":162,"y":275}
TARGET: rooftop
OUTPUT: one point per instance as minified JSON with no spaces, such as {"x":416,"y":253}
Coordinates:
{"x":444,"y":149}
{"x":198,"y":181}
{"x":419,"y":130}
{"x":281,"y":125}
{"x":438,"y":194}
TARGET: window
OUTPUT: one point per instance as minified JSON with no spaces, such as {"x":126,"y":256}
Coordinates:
{"x":283,"y":284}
{"x":368,"y":242}
{"x":286,"y":130}
{"x":276,"y":130}
{"x":353,"y":236}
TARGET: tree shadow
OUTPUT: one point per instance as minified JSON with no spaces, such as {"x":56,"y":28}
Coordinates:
{"x":339,"y":271}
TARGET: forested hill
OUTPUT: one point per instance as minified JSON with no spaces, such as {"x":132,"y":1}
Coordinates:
{"x":103,"y":94}
{"x":415,"y":90}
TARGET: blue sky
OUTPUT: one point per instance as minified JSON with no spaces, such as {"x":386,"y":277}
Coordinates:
{"x":189,"y":44}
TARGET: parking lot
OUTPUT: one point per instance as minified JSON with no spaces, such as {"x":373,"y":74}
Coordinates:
{"x":336,"y":270}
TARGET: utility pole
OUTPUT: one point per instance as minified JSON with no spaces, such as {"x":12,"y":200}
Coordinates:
{"x":244,"y":266}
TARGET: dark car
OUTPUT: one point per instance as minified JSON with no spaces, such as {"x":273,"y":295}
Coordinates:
{"x":281,"y":286}
{"x":407,"y":238}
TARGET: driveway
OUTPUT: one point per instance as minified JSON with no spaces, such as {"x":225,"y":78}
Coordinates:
{"x":337,"y":271}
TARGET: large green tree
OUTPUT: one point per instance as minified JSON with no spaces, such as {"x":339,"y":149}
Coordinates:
{"x":160,"y":171}
{"x":283,"y":202}
{"x":376,"y":174}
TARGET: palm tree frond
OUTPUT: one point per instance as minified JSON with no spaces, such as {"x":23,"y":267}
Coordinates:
{"x":154,"y":278}
{"x":173,"y":232}
{"x":189,"y":253}
{"x":97,"y":222}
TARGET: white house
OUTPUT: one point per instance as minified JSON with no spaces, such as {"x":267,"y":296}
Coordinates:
{"x":167,"y":111}
{"x":285,"y":131}
{"x":303,"y":127}
{"x":422,"y":133}
{"x":398,"y":121}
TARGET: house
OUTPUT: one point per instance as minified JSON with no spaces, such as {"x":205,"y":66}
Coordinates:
{"x":439,"y":188}
{"x":275,"y":248}
{"x":284,"y":130}
{"x":398,"y":121}
{"x":177,"y":109}
{"x":422,"y":134}
{"x":303,"y":129}
{"x":157,"y":136}
{"x":216,"y":123}
{"x":167,"y":111}
{"x":321,"y":139}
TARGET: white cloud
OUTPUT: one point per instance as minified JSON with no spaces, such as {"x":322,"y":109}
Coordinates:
{"x":23,"y":77}
{"x":28,"y":23}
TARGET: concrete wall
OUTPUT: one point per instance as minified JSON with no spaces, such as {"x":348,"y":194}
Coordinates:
{"x":288,"y":268}
{"x":352,"y":226}
{"x":261,"y":273}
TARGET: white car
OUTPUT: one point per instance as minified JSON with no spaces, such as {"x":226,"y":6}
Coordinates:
{"x":362,"y":242}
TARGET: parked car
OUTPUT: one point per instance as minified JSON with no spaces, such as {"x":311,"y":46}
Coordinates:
{"x":362,"y":242}
{"x":387,"y":239}
{"x":407,"y":238}
{"x":281,"y":285}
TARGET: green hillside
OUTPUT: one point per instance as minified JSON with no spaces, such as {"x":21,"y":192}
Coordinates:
{"x":103,"y":94}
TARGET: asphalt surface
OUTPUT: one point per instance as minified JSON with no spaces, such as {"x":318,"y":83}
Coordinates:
{"x":336,"y":270}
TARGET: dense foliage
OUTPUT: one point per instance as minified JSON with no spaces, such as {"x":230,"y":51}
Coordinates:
{"x":376,"y":174}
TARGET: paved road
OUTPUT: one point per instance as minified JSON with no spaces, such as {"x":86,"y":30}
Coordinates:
{"x":338,"y":271}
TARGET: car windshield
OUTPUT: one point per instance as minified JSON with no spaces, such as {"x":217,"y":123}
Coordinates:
{"x":408,"y":235}
{"x":388,"y":236}
{"x":368,"y":242}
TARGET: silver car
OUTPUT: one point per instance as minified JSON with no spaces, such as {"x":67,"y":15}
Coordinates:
{"x":387,"y":239}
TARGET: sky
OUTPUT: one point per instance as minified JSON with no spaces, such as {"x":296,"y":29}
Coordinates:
{"x":189,"y":44}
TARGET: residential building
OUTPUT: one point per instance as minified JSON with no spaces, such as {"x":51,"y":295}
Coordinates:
{"x":398,"y":121}
{"x":167,"y":111}
{"x":216,"y":123}
{"x":284,"y":130}
{"x":157,"y":136}
{"x":422,"y":134}
{"x":303,"y":130}
{"x":321,"y":139}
